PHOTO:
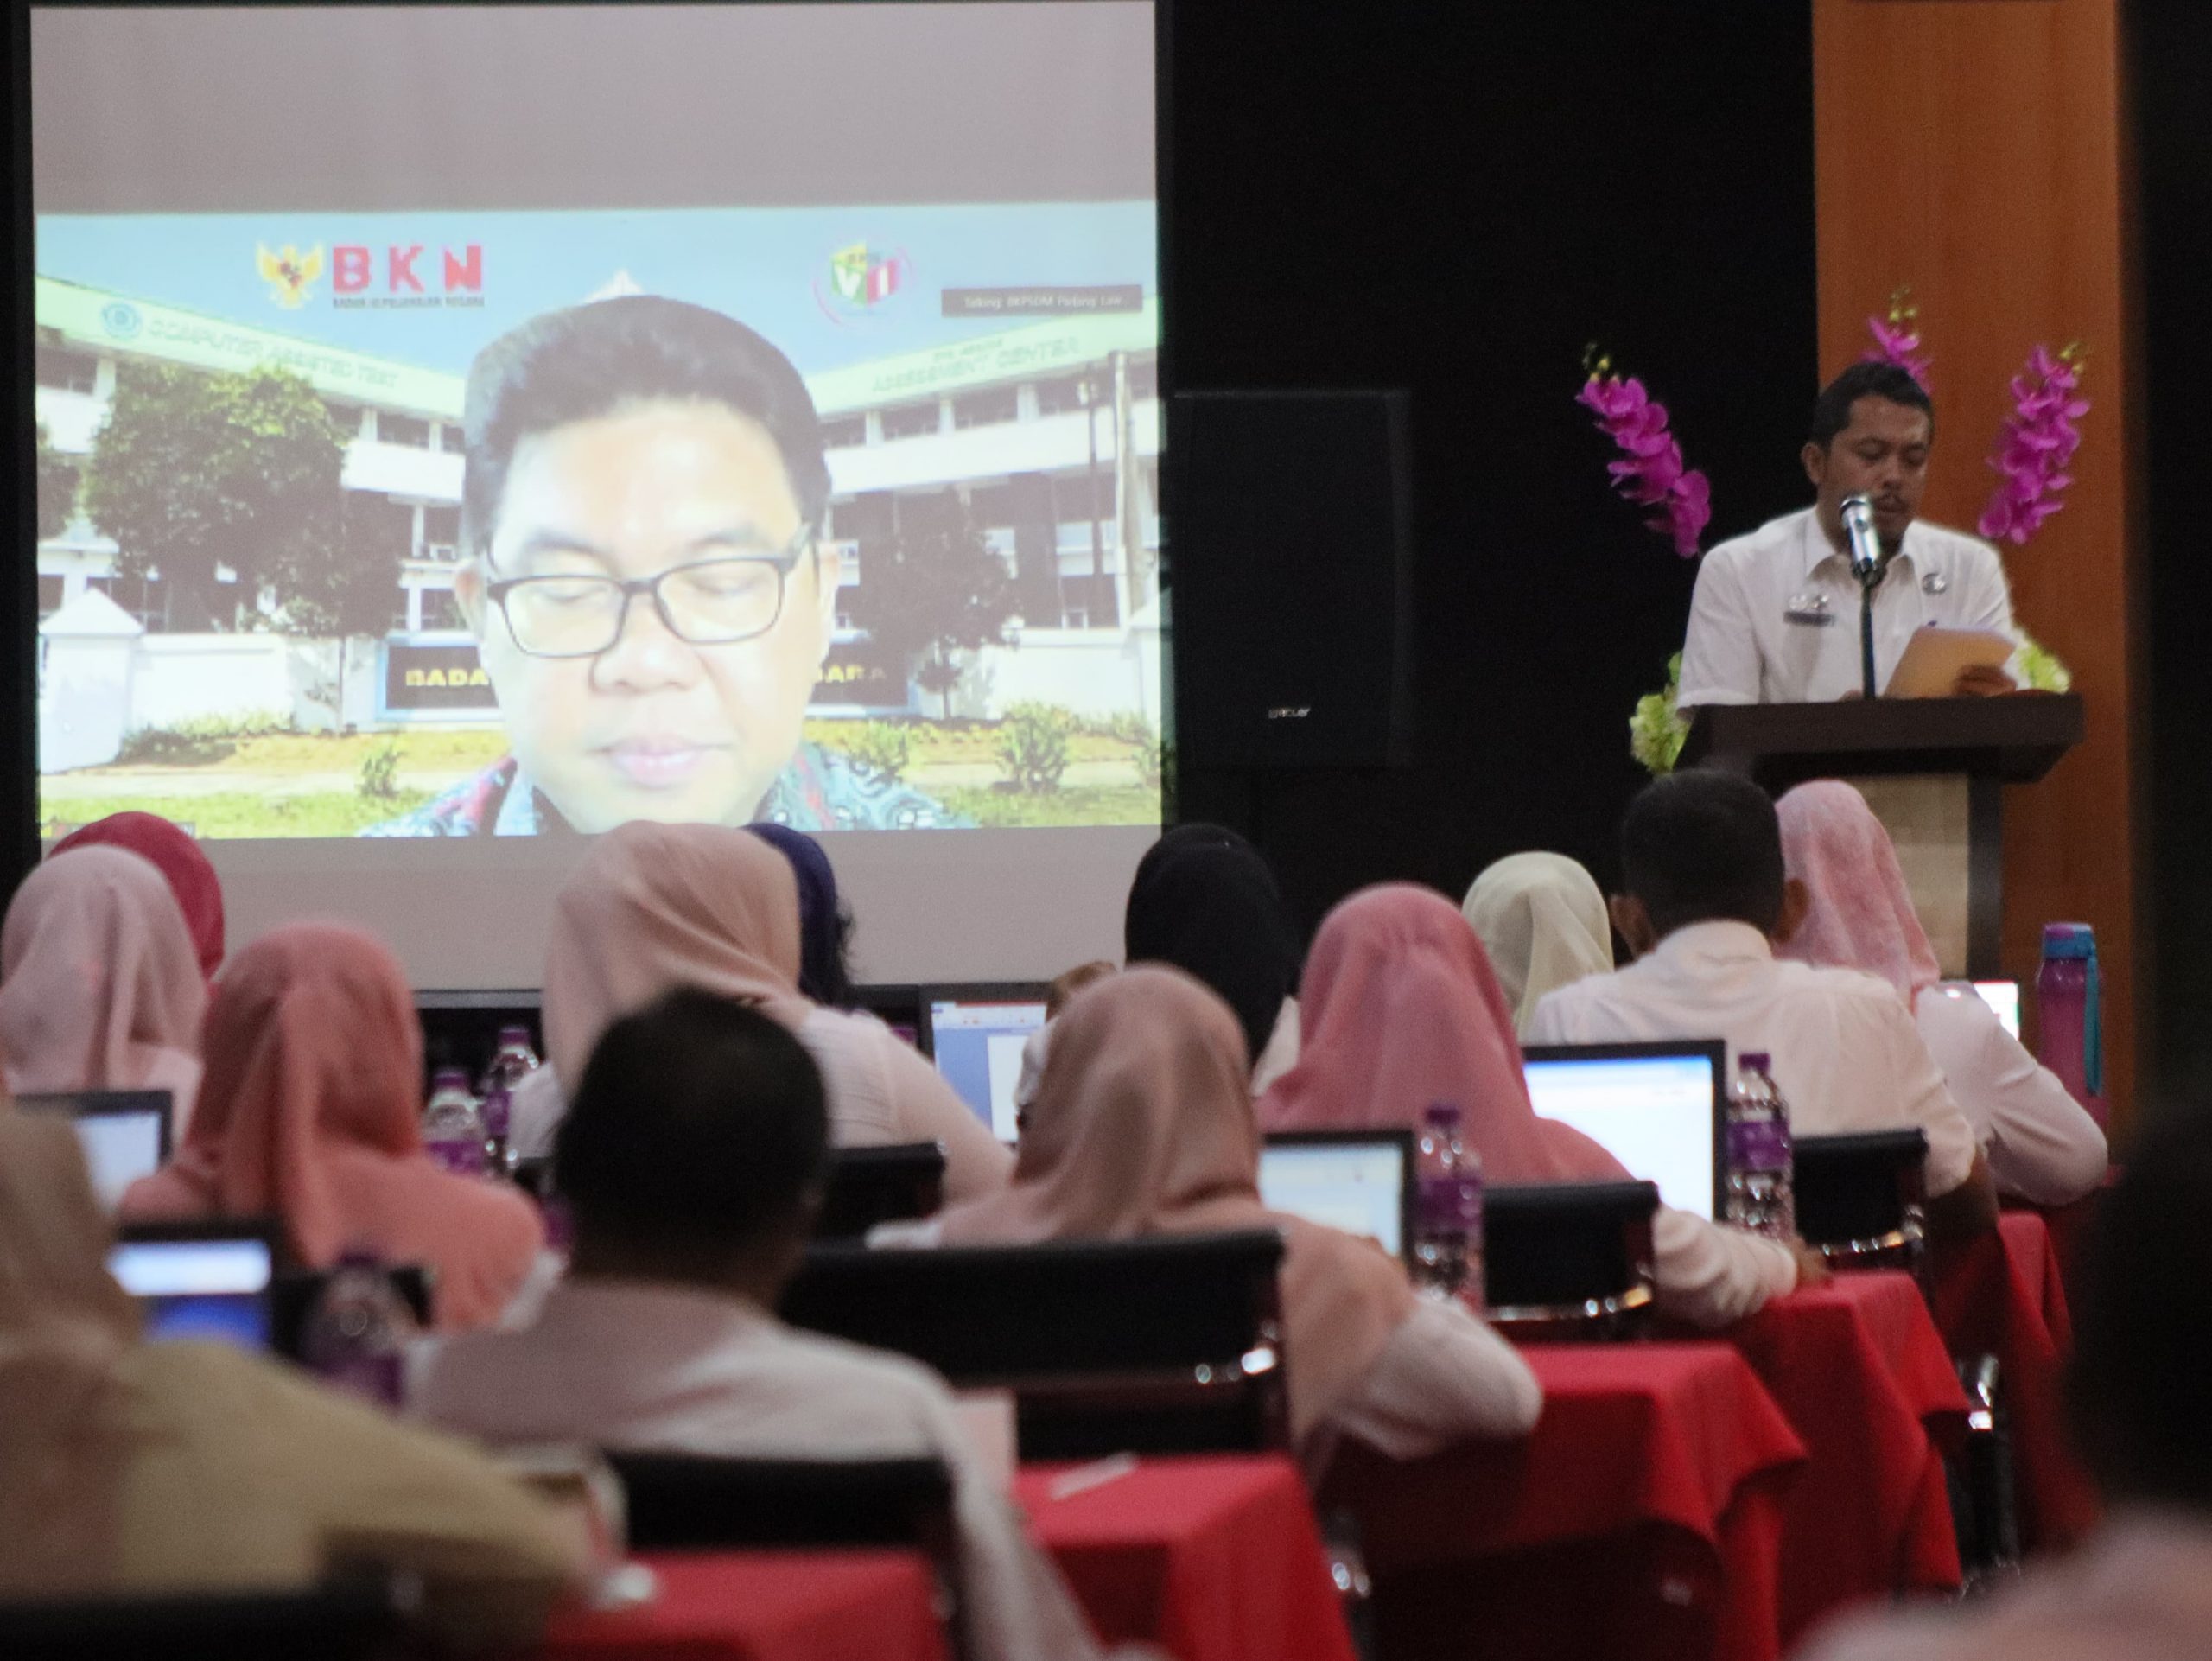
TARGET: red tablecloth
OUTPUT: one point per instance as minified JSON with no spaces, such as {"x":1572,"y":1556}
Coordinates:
{"x":2069,"y":1226}
{"x":1211,"y":1559}
{"x":1863,"y":1377}
{"x":1643,"y":1518}
{"x":766,"y":1606}
{"x":2002,"y":1294}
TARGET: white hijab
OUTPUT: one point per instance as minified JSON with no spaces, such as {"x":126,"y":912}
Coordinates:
{"x":1542,"y":921}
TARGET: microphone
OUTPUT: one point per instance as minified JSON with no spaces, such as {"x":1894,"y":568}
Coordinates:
{"x":1866,"y":546}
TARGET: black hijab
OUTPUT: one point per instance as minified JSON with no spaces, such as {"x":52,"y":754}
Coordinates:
{"x":1205,"y":900}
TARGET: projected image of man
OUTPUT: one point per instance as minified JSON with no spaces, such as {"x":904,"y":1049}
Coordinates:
{"x":641,"y":507}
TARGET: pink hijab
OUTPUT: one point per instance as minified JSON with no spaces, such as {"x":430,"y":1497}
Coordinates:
{"x":99,"y":986}
{"x":199,"y":892}
{"x":1861,"y":915}
{"x":309,"y":1112}
{"x":1400,"y":1008}
{"x":654,"y":906}
{"x":1143,"y":1125}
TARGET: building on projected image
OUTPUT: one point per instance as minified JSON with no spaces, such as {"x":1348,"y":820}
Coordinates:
{"x":1048,"y":433}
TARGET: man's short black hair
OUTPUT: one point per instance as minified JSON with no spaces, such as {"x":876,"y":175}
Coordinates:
{"x":589,"y":360}
{"x":1869,"y":378}
{"x":699,"y":1121}
{"x":1700,"y":845}
{"x":2143,"y":1335}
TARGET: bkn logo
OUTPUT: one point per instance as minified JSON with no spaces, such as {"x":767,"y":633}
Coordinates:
{"x":406,"y":268}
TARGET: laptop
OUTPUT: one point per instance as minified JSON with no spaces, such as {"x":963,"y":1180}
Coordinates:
{"x":974,"y":1035}
{"x":125,"y":1133}
{"x":1361,"y":1181}
{"x":1658,"y":1108}
{"x":2004,"y":996}
{"x":206,"y":1279}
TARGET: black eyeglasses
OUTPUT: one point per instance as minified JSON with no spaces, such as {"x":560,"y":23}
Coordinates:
{"x":708,"y":602}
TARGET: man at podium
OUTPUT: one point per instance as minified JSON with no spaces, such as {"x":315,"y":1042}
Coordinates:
{"x":1774,"y":617}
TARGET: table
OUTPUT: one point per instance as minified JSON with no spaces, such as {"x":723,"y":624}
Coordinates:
{"x":1865,"y":1378}
{"x":2003,"y":1294}
{"x":1643,"y":1517}
{"x":766,"y":1605}
{"x":1212,"y":1559}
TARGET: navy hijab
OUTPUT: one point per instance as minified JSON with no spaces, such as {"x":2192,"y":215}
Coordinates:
{"x":823,"y":925}
{"x":1205,"y":900}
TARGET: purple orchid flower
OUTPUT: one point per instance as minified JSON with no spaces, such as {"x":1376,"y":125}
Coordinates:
{"x":2038,"y":443}
{"x":1653,"y":475}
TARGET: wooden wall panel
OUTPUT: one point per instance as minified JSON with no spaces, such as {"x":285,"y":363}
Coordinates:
{"x":1976,"y":149}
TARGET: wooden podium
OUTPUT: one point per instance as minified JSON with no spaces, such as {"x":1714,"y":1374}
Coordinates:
{"x":1934,"y":770}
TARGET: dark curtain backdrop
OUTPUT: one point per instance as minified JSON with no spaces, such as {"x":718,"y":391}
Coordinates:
{"x":2172,"y":67}
{"x":1456,"y":200}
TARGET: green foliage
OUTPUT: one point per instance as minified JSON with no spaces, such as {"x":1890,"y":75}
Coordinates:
{"x":1033,"y":746}
{"x":928,"y":594}
{"x":996,"y":804}
{"x":1129,"y":726}
{"x":1657,"y":728}
{"x":882,"y":748}
{"x":379,"y":776}
{"x":200,"y":741}
{"x":2039,"y":671}
{"x":57,"y":489}
{"x":236,"y":813}
{"x":191,"y":469}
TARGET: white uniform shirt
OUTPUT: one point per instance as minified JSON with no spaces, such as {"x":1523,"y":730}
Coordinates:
{"x":2041,"y":1144}
{"x":647,"y":1367}
{"x":1775,"y":618}
{"x":1846,"y":1055}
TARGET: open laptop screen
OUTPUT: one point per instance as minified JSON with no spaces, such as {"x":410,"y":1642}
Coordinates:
{"x":976,"y":1043}
{"x":194,"y":1282}
{"x":1359,"y":1182}
{"x":1656,"y":1107}
{"x":125,"y":1133}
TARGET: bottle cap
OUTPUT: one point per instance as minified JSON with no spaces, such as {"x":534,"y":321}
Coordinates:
{"x":445,"y":1076}
{"x":1756,"y":1061}
{"x":2069,"y":940}
{"x":514,"y":1035}
{"x":1442,"y":1113}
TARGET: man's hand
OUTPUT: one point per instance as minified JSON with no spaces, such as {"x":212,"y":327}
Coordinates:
{"x":1980,"y":681}
{"x":1812,"y":1268}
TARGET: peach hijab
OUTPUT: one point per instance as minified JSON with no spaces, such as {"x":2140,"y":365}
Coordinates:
{"x":99,"y":986}
{"x":653,"y":907}
{"x":1861,"y":914}
{"x":1400,"y":1009}
{"x":310,"y":1113}
{"x":1143,"y":1125}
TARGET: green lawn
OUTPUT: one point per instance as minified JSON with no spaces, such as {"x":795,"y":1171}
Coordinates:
{"x":243,"y":814}
{"x":1082,"y":804}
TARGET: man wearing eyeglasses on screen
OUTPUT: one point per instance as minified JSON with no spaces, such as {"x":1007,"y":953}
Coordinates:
{"x":644,"y":490}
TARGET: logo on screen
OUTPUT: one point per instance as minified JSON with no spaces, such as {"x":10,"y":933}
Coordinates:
{"x":290,"y":274}
{"x":860,"y":279}
{"x":120,"y":319}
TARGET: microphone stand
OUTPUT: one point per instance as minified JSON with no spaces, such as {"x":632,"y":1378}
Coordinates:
{"x":1870,"y":578}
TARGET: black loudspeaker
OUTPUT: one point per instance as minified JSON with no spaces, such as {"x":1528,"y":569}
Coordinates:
{"x":1292,"y":572}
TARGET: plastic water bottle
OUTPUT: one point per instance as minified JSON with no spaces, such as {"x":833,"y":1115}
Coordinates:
{"x":356,"y":1334}
{"x":1448,"y":1237}
{"x":453,"y":1129}
{"x":1759,"y":1197}
{"x":512,"y":1061}
{"x":2069,"y":1038}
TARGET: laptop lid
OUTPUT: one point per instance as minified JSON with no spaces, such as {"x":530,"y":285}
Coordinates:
{"x":2003,"y":997}
{"x":125,"y":1133}
{"x":206,"y":1279}
{"x":974,"y":1035}
{"x":1361,"y":1181}
{"x":1655,"y":1107}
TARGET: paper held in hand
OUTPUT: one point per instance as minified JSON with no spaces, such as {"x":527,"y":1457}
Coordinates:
{"x":1936,"y":657}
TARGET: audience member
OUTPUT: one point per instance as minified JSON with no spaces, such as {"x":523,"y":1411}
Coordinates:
{"x":1541,"y":919}
{"x":693,"y":1162}
{"x":2139,"y":1588}
{"x":1065,"y":986}
{"x":98,"y":987}
{"x":137,"y":1469}
{"x":311,"y":1112}
{"x":1144,"y":1125}
{"x":825,"y":922}
{"x":1707,"y":895}
{"x":654,"y":906}
{"x":1402,"y":1009}
{"x":2040,"y":1143}
{"x":199,"y":891}
{"x":1205,"y":900}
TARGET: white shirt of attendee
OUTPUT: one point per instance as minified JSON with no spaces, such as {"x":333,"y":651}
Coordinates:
{"x":2041,"y":1144}
{"x":1845,"y":1053}
{"x":1774,"y":617}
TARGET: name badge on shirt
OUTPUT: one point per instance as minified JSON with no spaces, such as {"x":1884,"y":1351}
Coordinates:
{"x":1934,"y":583}
{"x":1809,"y":611}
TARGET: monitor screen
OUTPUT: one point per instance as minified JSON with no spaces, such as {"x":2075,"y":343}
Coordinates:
{"x":125,"y":1134}
{"x":214,"y":1289}
{"x":977,"y":1045}
{"x":2004,"y":996}
{"x":1358,"y":1184}
{"x":1655,"y":1107}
